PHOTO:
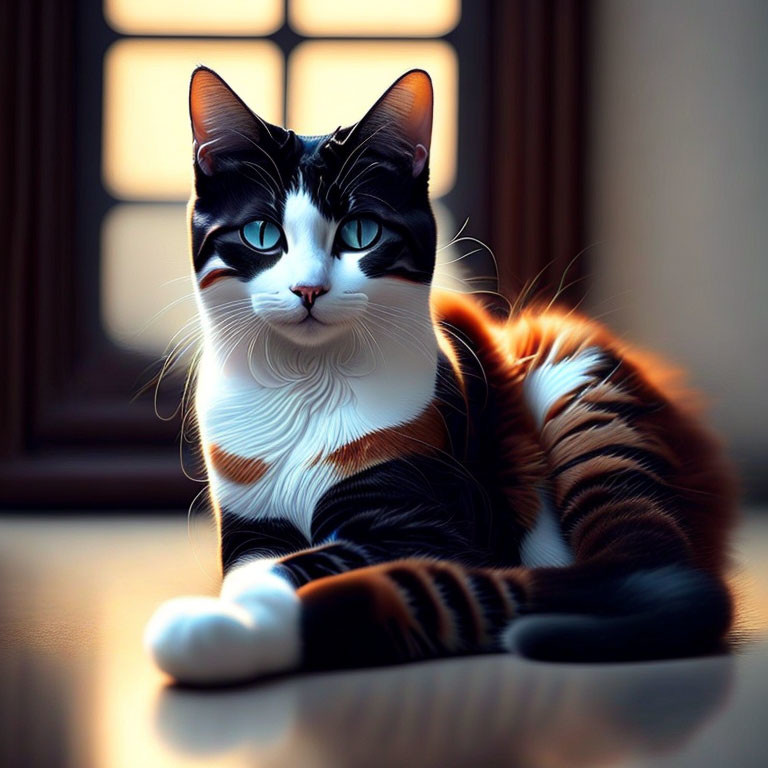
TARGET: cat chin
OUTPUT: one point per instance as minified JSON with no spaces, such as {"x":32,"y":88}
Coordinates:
{"x":311,"y":332}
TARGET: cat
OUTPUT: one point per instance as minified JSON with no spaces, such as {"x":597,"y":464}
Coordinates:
{"x":396,"y":472}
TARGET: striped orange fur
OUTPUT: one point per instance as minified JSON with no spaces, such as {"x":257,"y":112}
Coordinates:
{"x":396,"y":595}
{"x":510,"y":350}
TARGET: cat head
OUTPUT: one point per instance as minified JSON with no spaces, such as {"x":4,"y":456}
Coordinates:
{"x":303,"y":236}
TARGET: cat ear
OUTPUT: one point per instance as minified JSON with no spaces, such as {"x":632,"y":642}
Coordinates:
{"x":405,"y":111}
{"x":221,"y":122}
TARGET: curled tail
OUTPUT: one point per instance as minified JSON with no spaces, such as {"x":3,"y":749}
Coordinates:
{"x":418,"y":609}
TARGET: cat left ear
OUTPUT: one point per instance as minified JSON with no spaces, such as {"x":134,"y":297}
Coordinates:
{"x":221,"y":122}
{"x":405,"y":111}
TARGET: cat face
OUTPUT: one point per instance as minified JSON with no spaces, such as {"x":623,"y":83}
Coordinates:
{"x":303,"y":237}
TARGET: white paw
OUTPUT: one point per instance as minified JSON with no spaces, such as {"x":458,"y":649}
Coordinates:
{"x":253,"y":630}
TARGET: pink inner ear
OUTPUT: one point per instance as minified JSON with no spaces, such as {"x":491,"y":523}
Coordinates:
{"x":419,"y":159}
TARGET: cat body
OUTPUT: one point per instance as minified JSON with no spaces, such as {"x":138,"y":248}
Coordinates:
{"x":396,"y":472}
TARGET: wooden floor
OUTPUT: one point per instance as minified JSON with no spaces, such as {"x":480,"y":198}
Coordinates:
{"x":76,"y":689}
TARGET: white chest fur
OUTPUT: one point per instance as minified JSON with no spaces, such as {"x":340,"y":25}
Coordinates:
{"x":290,"y":425}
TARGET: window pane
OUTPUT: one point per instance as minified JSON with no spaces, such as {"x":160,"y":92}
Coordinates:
{"x":331,"y":84}
{"x":397,"y":18}
{"x":189,"y":17}
{"x":147,"y":142}
{"x":146,"y":290}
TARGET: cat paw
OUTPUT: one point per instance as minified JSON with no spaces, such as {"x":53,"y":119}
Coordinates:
{"x":209,"y":641}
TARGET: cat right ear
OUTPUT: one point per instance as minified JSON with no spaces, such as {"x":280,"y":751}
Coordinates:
{"x":405,"y":113}
{"x":221,"y":122}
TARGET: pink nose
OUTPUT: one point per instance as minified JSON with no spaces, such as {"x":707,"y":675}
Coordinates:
{"x":309,"y":293}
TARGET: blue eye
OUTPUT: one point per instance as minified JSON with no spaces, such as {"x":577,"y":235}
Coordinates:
{"x":359,"y":233}
{"x":262,"y":235}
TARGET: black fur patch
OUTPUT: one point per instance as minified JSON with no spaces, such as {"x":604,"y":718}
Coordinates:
{"x":395,"y":259}
{"x":256,"y":538}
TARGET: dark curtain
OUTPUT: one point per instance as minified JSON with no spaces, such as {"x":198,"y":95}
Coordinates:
{"x":538,"y":49}
{"x":37,"y":208}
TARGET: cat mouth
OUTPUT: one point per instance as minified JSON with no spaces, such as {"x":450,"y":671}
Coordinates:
{"x":311,"y":320}
{"x":309,"y":331}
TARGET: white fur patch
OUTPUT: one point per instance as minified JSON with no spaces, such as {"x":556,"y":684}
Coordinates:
{"x":544,"y":544}
{"x":310,"y":237}
{"x":545,"y":385}
{"x":252,"y":630}
{"x":291,"y":427}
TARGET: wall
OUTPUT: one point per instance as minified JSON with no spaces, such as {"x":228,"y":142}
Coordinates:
{"x":678,"y":198}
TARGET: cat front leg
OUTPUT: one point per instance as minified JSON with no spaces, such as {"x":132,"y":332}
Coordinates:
{"x":253,"y":628}
{"x":258,"y":624}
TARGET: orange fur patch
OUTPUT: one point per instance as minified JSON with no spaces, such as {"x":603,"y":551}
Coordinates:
{"x":425,"y":434}
{"x":593,"y":438}
{"x":570,"y":420}
{"x":214,"y":275}
{"x":236,"y":468}
{"x":386,"y":600}
{"x":593,"y":468}
{"x":460,"y":578}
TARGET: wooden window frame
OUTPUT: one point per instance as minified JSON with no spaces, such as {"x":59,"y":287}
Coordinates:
{"x":70,"y":438}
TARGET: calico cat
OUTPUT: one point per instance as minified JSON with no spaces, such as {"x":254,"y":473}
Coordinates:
{"x":397,"y":474}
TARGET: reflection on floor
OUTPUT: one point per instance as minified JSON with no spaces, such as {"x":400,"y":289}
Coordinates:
{"x":76,"y":689}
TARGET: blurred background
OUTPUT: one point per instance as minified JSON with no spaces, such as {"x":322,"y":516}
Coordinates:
{"x":611,"y":151}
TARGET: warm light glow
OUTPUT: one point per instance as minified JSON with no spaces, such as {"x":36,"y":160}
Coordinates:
{"x":189,"y":17}
{"x":147,"y":142}
{"x":332,"y":84}
{"x":398,"y":18}
{"x":126,"y":685}
{"x":146,"y":289}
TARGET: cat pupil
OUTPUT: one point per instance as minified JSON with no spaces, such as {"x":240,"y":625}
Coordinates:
{"x":360,"y":233}
{"x":261,"y":234}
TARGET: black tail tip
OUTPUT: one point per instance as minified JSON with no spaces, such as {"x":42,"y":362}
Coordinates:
{"x":651,"y":614}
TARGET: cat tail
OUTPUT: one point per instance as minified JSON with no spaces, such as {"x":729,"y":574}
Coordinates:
{"x":651,"y":613}
{"x":418,"y":609}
